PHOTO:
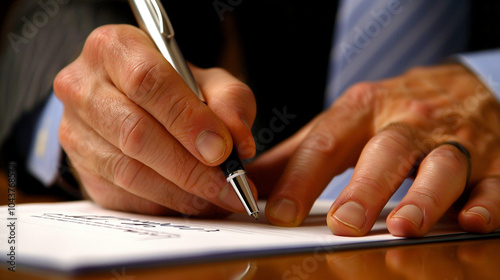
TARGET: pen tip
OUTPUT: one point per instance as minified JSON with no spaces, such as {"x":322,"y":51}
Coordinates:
{"x":255,"y":215}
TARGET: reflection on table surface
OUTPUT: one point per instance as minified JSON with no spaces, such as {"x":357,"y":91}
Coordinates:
{"x":477,"y":259}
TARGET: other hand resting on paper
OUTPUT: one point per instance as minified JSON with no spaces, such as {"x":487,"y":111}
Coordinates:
{"x":139,"y":138}
{"x":385,"y":129}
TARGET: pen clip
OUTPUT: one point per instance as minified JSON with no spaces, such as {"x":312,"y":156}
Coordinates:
{"x":161,"y":19}
{"x":152,"y":18}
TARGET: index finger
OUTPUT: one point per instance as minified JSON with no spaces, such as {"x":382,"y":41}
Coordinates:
{"x":330,"y":147}
{"x":139,"y":71}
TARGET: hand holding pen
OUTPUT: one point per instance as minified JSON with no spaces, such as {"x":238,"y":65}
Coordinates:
{"x":139,"y":139}
{"x":154,"y":21}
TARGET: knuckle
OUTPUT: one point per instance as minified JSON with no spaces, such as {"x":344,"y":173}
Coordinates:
{"x":398,"y":135}
{"x":362,"y":98}
{"x":240,"y":90}
{"x":417,"y":70}
{"x":181,"y":109}
{"x":182,"y":168}
{"x":112,"y":165}
{"x":490,"y":184}
{"x":372,"y":187}
{"x":145,"y":78}
{"x":134,"y":134}
{"x":299,"y":177}
{"x":421,"y":108}
{"x":62,"y":82}
{"x":99,"y":42}
{"x":242,"y":95}
{"x":65,"y":135}
{"x":124,"y":49}
{"x":71,"y":142}
{"x":68,"y":84}
{"x":320,"y":142}
{"x":127,"y":173}
{"x":104,"y":165}
{"x":395,"y":139}
{"x":232,"y":86}
{"x":449,"y":158}
{"x":195,"y":176}
{"x":363,"y":92}
{"x":202,"y":181}
{"x":427,"y":194}
{"x":363,"y":87}
{"x":215,"y":71}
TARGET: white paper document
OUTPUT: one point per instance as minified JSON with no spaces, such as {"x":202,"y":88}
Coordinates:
{"x":80,"y":236}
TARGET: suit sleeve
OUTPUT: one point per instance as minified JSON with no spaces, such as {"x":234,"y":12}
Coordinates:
{"x":40,"y":38}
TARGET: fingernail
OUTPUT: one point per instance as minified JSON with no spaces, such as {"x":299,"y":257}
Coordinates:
{"x":351,"y":214}
{"x":481,"y":212}
{"x":284,"y":210}
{"x":228,"y":197}
{"x":210,"y":145}
{"x":411,"y":213}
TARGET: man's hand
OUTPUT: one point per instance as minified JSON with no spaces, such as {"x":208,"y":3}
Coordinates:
{"x":140,"y":139}
{"x":391,"y":130}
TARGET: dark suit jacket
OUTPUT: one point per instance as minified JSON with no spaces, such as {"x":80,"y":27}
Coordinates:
{"x":275,"y":35}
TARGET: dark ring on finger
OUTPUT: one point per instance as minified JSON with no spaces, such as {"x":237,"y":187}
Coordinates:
{"x":464,"y":151}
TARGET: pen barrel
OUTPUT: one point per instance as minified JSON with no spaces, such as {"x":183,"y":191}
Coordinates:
{"x":173,"y":55}
{"x":152,"y":19}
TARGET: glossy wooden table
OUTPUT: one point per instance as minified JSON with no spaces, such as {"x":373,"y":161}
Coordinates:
{"x":477,"y":260}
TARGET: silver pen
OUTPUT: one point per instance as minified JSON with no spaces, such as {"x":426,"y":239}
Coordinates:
{"x":153,"y":19}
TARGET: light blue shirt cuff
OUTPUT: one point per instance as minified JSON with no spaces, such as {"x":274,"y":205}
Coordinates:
{"x":45,"y":153}
{"x":486,"y":65}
